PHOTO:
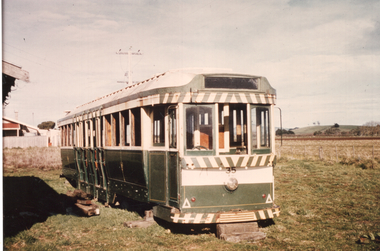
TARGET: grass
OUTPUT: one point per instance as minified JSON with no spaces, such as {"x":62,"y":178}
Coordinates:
{"x":46,"y":158}
{"x":324,"y":206}
{"x":360,"y":152}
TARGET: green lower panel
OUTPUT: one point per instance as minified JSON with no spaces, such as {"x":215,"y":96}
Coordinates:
{"x":129,"y":190}
{"x":218,"y":199}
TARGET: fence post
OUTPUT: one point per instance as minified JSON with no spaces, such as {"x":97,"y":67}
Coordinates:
{"x":304,"y":152}
{"x":320,"y":153}
{"x":353,"y":150}
{"x":336,"y":153}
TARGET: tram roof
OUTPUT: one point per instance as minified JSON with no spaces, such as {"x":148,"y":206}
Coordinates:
{"x":170,"y":81}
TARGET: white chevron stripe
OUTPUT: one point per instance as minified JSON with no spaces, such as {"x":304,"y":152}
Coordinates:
{"x":223,"y":97}
{"x":245,"y":161}
{"x":198,"y":218}
{"x":262,"y":97}
{"x":200,"y":97}
{"x":166,"y":98}
{"x":262,"y":214}
{"x":254,"y":161}
{"x":176,"y":97}
{"x":263,"y":159}
{"x":209,"y":218}
{"x":224,"y":162}
{"x":213,"y":162}
{"x":233,"y":99}
{"x":253,"y":97}
{"x":202,"y":163}
{"x":211,"y":98}
{"x":243,"y":97}
{"x":187,"y":97}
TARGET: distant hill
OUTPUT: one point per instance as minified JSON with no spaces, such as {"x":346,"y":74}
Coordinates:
{"x":309,"y":130}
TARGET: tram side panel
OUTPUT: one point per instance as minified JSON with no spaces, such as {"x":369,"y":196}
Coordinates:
{"x":127,"y":174}
{"x":69,"y":167}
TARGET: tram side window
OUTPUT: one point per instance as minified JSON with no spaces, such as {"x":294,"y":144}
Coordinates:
{"x":115,"y":129}
{"x":70,"y":135}
{"x":199,"y":133}
{"x":221,"y":126}
{"x":63,"y":136}
{"x":172,"y":128}
{"x":83,"y":134}
{"x":88,"y":133}
{"x":159,"y":126}
{"x":260,"y":127}
{"x":125,"y":130}
{"x":136,"y":127}
{"x":76,"y":134}
{"x":93,"y":139}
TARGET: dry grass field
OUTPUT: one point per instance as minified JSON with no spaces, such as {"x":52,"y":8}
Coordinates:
{"x":325,"y":205}
{"x":46,"y":158}
{"x":365,"y":152}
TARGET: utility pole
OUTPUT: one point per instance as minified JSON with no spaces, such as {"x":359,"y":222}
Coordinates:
{"x":129,"y":53}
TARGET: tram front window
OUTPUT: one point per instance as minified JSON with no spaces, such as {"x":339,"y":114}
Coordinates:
{"x":260,"y":127}
{"x":199,"y":127}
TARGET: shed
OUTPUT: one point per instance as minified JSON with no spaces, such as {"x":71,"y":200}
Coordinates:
{"x":11,"y":72}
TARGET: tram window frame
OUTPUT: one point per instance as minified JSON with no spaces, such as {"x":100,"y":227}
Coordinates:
{"x":238,"y":128}
{"x":261,"y":127}
{"x":115,"y":129}
{"x":107,"y":132}
{"x":63,"y":136}
{"x":195,"y":122}
{"x":98,"y":134}
{"x":83,"y":128}
{"x":70,"y":135}
{"x":88,"y":133}
{"x":158,"y":127}
{"x":77,"y":134}
{"x":135,"y":121}
{"x":172,"y":121}
{"x":125,"y":129}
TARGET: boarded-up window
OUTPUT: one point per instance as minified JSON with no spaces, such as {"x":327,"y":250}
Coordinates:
{"x":115,"y":129}
{"x":107,"y":130}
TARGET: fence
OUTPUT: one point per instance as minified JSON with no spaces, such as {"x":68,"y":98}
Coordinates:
{"x":24,"y":142}
{"x":333,"y":152}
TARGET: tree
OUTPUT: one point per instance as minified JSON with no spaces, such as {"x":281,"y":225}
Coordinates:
{"x":283,"y":132}
{"x":46,"y":125}
{"x":336,"y":125}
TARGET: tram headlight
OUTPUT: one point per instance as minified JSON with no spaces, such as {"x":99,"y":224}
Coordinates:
{"x":231,"y":184}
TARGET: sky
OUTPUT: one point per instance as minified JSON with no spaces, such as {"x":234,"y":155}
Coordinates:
{"x":322,"y":57}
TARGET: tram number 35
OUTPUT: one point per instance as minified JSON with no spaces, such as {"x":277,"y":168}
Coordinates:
{"x":231,"y":170}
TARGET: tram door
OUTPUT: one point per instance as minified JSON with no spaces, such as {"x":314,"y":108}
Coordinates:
{"x":90,"y":159}
{"x":163,"y":182}
{"x":173,"y":179}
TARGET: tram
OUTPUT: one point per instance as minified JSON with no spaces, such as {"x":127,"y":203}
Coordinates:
{"x":199,"y":146}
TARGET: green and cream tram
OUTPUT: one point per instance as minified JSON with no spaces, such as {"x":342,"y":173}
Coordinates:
{"x":198,"y":146}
